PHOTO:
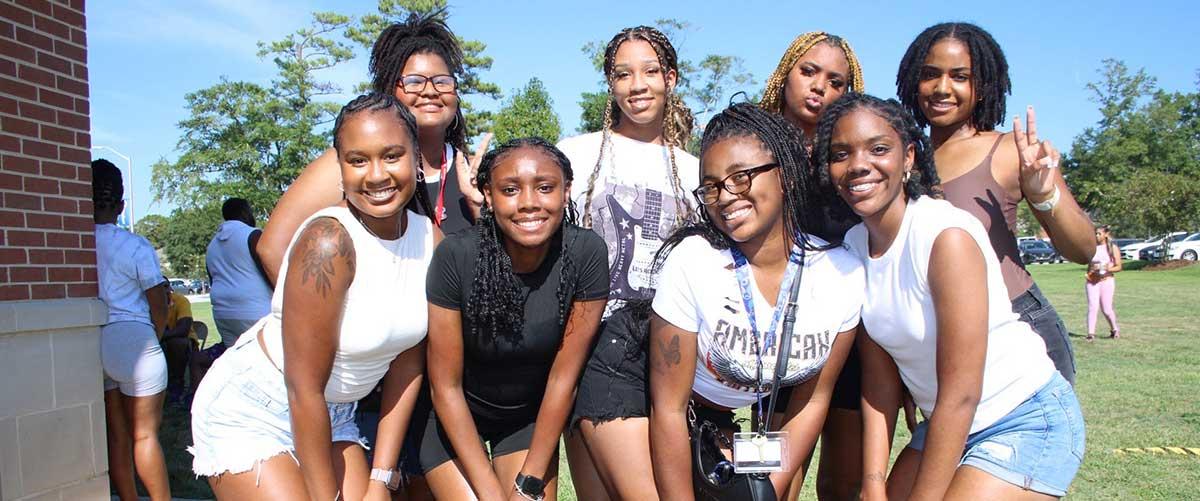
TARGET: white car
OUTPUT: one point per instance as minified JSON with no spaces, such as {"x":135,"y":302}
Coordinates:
{"x":1130,"y":252}
{"x":1188,"y":248}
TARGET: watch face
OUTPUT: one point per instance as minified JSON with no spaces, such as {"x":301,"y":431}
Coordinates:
{"x":393,"y":482}
{"x":531,"y":485}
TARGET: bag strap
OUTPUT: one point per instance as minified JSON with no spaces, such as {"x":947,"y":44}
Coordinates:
{"x":784,"y":342}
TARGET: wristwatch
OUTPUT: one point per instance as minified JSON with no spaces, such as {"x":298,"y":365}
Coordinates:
{"x":531,"y":487}
{"x":390,"y":478}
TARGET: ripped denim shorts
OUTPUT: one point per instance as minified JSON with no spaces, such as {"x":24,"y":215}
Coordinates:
{"x":1038,"y":445}
{"x":240,"y":416}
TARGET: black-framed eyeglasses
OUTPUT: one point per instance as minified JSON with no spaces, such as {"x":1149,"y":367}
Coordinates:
{"x":413,"y":84}
{"x":736,"y":184}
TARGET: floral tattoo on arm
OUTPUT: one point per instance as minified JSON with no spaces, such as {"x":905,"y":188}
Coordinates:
{"x":324,"y":241}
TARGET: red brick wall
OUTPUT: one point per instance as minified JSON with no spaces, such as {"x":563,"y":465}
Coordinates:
{"x":47,"y":238}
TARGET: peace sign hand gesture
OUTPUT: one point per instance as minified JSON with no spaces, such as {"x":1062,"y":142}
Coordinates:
{"x":467,"y":170}
{"x":1038,"y":160}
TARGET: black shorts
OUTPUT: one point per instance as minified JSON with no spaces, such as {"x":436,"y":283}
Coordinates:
{"x":499,"y":437}
{"x":615,"y":382}
{"x":846,"y":391}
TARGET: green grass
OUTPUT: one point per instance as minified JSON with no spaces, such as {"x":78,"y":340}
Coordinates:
{"x":1142,"y":390}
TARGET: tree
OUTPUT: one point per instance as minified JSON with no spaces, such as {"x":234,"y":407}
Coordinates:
{"x":186,"y":236}
{"x":529,"y":112}
{"x":244,"y":139}
{"x":153,"y":227}
{"x":370,"y":26}
{"x":1145,"y":136}
{"x":703,"y":85}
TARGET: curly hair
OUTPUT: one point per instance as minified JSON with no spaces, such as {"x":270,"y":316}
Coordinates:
{"x":108,"y":188}
{"x":418,"y":34}
{"x":989,"y":72}
{"x":497,"y":306}
{"x":923,"y":179}
{"x":773,"y":95}
{"x":384,"y":102}
{"x":801,"y":219}
{"x":677,"y":121}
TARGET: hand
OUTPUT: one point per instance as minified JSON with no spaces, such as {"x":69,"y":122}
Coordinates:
{"x":467,"y":170}
{"x":376,"y":491}
{"x":1038,"y":160}
{"x":910,"y":411}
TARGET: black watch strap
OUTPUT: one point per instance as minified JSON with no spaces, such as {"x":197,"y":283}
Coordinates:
{"x":531,"y":486}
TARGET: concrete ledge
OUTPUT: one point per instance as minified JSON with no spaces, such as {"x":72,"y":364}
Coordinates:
{"x":17,"y":317}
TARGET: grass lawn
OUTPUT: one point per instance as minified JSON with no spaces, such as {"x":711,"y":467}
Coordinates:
{"x":1142,"y":390}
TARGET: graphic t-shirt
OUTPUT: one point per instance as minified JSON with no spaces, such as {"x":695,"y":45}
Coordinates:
{"x":504,"y":377}
{"x":698,"y":292}
{"x":634,"y":207}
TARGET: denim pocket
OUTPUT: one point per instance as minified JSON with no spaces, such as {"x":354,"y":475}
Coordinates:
{"x":253,"y":392}
{"x":1073,"y":417}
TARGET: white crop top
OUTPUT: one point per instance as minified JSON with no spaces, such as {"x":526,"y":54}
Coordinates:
{"x":385,"y":311}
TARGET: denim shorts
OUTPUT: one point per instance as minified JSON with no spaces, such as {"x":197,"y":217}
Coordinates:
{"x":1037,"y":446}
{"x":240,"y":416}
{"x":1036,"y":310}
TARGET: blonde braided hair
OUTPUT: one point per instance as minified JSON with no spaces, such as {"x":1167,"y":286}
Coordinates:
{"x":677,"y":118}
{"x":773,"y":93}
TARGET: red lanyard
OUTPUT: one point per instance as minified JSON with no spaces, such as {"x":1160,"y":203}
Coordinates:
{"x":440,"y":210}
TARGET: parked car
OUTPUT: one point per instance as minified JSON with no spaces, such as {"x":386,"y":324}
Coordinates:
{"x":179,"y":285}
{"x":1188,"y":248}
{"x":1036,"y":251}
{"x":1057,"y":256}
{"x":197,"y":286}
{"x":1122,"y":242}
{"x":1133,"y":251}
{"x":1158,"y":251}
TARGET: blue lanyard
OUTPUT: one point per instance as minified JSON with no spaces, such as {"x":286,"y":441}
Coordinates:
{"x":795,"y":260}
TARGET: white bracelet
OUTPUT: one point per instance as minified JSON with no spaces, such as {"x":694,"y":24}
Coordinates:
{"x":1049,"y":204}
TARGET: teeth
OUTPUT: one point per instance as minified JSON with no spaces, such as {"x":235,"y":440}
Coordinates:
{"x":858,"y":188}
{"x":381,"y":195}
{"x":735,"y":214}
{"x":529,"y":225}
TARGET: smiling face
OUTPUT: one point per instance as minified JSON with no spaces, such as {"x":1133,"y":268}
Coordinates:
{"x":640,"y":84}
{"x":528,"y":195}
{"x":818,"y":78}
{"x":946,"y":92}
{"x":867,"y":162}
{"x":751,"y":215}
{"x":432,"y":109}
{"x":378,"y":163}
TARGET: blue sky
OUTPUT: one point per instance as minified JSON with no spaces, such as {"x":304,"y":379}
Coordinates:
{"x":144,"y":55}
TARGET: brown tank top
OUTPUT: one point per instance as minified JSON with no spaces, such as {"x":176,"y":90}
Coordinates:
{"x":978,"y":192}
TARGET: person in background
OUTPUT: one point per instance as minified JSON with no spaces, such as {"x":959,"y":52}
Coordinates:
{"x":135,"y":371}
{"x":1101,"y":285}
{"x":240,"y":293}
{"x":178,"y":341}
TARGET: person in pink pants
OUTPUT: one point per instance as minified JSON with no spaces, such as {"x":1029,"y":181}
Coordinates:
{"x":1101,"y":285}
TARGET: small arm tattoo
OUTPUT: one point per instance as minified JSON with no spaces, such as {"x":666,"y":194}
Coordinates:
{"x":325,"y":240}
{"x":876,"y":477}
{"x":670,"y":351}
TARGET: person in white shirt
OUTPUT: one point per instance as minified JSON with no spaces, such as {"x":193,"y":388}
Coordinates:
{"x":634,"y":176}
{"x":135,"y":370}
{"x":240,"y":294}
{"x":1002,"y":422}
{"x":348,"y":314}
{"x":713,"y":339}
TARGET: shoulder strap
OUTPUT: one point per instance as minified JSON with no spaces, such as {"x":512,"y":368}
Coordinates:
{"x":784,"y":341}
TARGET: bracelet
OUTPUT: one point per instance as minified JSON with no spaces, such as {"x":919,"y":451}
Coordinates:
{"x":523,"y":495}
{"x":1049,"y":204}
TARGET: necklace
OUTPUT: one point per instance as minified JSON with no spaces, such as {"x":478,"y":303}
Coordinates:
{"x":395,"y":250}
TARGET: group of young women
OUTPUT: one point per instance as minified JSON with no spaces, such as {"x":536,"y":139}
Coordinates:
{"x":498,"y":319}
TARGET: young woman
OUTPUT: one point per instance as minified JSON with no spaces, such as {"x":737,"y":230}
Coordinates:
{"x":1003,"y":423}
{"x":135,"y":370}
{"x":514,"y":305}
{"x":348,"y":313}
{"x":419,"y":61}
{"x":1101,"y":285}
{"x":954,"y":79}
{"x":815,"y":70}
{"x":755,"y":235}
{"x":633,"y":197}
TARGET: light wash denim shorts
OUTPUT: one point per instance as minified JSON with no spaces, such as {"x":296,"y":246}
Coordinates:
{"x":240,"y":415}
{"x":1037,"y":446}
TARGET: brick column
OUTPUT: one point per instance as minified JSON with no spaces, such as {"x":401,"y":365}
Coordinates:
{"x":52,"y":439}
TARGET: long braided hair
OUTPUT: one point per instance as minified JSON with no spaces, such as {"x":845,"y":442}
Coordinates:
{"x":418,"y":34}
{"x":923,"y":180}
{"x":496,"y":306}
{"x":773,"y":95}
{"x":989,"y":72}
{"x":677,"y":118}
{"x":384,"y":102}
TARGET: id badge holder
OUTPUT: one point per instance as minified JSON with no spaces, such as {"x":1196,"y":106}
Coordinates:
{"x":759,"y":453}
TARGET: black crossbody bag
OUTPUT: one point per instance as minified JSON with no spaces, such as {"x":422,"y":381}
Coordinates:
{"x":713,"y":478}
